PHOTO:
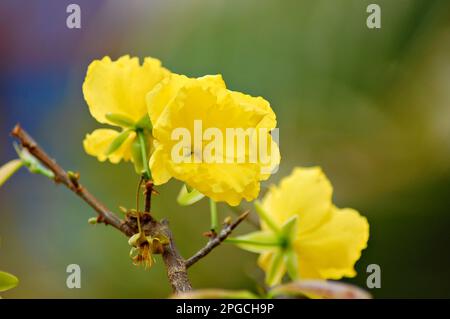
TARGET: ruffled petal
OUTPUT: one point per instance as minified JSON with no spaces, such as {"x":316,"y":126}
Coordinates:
{"x":256,"y":104}
{"x":119,"y":87}
{"x":159,"y":166}
{"x":229,"y":182}
{"x":158,"y":98}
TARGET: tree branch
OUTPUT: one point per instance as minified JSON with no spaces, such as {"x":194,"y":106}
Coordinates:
{"x":175,"y":264}
{"x":176,"y":269}
{"x":149,"y":190}
{"x":71,"y":182}
{"x":252,"y":219}
{"x":216,"y":241}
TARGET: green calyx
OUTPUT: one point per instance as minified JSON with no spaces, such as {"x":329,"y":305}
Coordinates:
{"x":119,"y":119}
{"x":140,"y":148}
{"x":286,"y":234}
{"x":143,"y":123}
{"x":188,"y":196}
{"x":278,"y":239}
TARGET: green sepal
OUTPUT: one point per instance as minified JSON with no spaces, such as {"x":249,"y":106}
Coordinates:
{"x":144,"y":123}
{"x":257,"y":242}
{"x":136,"y":153}
{"x":117,"y":142}
{"x":291,"y":259}
{"x":289,"y":230}
{"x":186,"y":198}
{"x":120,"y":120}
{"x":277,"y":268}
{"x":265,"y":217}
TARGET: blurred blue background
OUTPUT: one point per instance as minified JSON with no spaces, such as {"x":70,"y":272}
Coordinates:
{"x":369,"y":106}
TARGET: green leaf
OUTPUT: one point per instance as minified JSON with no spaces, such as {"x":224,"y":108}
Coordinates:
{"x":186,"y":198}
{"x":117,"y":142}
{"x":120,"y":120}
{"x":216,"y":294}
{"x":257,"y":242}
{"x":320,"y":289}
{"x":7,"y":170}
{"x":7,"y":281}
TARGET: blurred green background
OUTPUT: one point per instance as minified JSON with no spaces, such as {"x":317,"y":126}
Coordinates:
{"x":372,"y":107}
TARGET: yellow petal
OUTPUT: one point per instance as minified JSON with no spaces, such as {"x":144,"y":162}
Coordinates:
{"x":229,"y":182}
{"x":256,"y":103}
{"x":98,"y":142}
{"x":120,"y":87}
{"x":306,"y":193}
{"x":177,"y":102}
{"x":331,"y":250}
{"x":271,"y":164}
{"x":159,"y":165}
{"x":158,"y":98}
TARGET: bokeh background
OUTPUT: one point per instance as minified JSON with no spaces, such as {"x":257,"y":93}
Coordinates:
{"x":369,"y":106}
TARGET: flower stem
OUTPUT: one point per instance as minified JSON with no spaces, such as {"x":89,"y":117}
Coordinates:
{"x":143,"y":145}
{"x":138,"y":213}
{"x":214,"y":219}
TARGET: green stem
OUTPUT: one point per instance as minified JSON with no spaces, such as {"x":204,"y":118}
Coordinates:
{"x":214,"y":219}
{"x":143,"y":145}
{"x":138,"y":213}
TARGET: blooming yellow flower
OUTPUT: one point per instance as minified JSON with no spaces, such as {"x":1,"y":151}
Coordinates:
{"x":179,"y":102}
{"x":115,"y":93}
{"x":303,"y":233}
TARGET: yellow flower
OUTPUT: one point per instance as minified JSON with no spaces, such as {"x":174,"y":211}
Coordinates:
{"x":303,"y":233}
{"x":181,"y":102}
{"x":115,"y":93}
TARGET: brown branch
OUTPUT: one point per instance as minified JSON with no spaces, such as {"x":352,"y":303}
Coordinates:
{"x":252,"y":219}
{"x":175,"y":264}
{"x":176,"y":269}
{"x":71,"y":182}
{"x":215,"y":241}
{"x":148,"y":196}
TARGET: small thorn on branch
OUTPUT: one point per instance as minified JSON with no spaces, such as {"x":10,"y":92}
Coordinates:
{"x":217,"y":240}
